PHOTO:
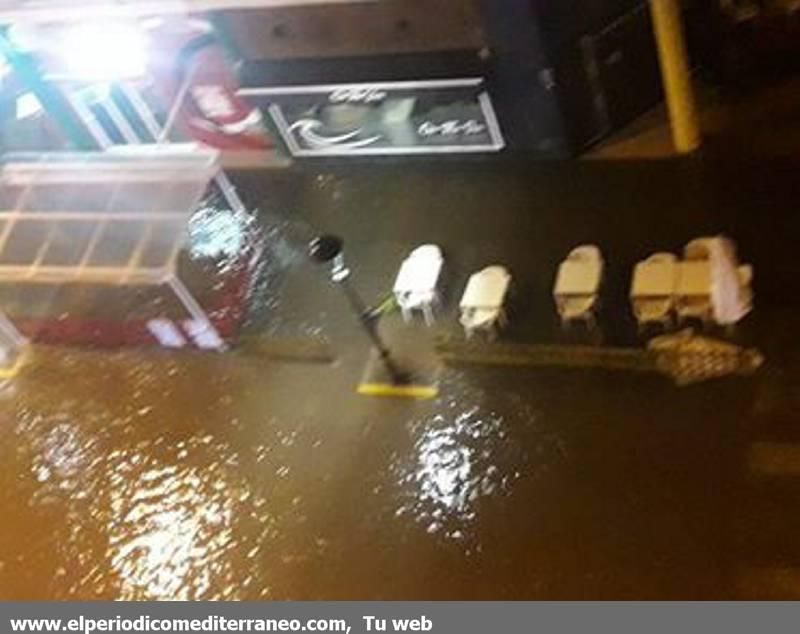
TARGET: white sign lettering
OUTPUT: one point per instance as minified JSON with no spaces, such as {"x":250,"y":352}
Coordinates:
{"x":451,"y":128}
{"x":357,"y":94}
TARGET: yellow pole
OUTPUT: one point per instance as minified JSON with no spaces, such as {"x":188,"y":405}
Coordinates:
{"x":668,"y":27}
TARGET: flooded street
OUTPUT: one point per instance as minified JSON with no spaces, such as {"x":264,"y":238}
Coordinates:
{"x":146,"y":474}
{"x":151,"y":477}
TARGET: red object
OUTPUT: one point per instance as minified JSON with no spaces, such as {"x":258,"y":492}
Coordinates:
{"x":212,"y":112}
{"x":226,"y":310}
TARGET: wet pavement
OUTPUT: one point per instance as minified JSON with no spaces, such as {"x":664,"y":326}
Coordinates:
{"x":145,"y":474}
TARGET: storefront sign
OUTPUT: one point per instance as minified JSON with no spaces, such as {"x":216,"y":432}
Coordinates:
{"x":391,"y":118}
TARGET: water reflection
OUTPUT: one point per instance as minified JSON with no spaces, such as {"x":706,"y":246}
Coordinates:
{"x":444,"y":469}
{"x":112,"y":502}
{"x":170,"y":532}
{"x":217,"y":233}
{"x":62,"y":453}
{"x":468,"y":452}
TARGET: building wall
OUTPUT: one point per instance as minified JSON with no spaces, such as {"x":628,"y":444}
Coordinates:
{"x":355,"y":29}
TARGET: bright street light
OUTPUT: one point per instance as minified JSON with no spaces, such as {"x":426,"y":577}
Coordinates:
{"x":104,"y":51}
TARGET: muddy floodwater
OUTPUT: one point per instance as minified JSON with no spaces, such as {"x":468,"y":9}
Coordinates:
{"x":147,"y":474}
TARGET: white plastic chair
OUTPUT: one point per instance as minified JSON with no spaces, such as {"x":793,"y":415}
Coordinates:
{"x":725,"y":303}
{"x":656,"y":305}
{"x":697,"y":307}
{"x":483,"y":303}
{"x":731,"y":294}
{"x":578,"y":283}
{"x":417,"y":284}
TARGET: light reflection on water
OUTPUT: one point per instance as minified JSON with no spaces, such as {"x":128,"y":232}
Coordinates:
{"x":466,"y":452}
{"x":170,"y":533}
{"x":149,"y":476}
{"x":62,"y":454}
{"x":150,"y":488}
{"x":126,"y":505}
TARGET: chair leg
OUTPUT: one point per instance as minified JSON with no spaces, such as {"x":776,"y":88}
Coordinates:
{"x":427,"y":312}
{"x":406,"y":314}
{"x":502,"y":318}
